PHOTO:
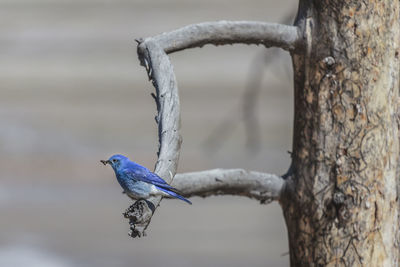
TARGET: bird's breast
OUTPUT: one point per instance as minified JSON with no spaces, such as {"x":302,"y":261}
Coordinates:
{"x":138,"y":189}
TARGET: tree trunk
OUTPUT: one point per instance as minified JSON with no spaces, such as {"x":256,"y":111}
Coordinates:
{"x":340,"y":201}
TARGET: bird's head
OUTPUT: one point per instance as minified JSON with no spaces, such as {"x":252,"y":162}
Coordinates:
{"x":116,"y":161}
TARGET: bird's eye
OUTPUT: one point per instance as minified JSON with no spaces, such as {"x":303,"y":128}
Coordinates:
{"x":114,"y":160}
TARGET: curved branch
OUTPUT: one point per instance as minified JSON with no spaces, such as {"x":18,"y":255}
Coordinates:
{"x":261,"y":186}
{"x":230,"y":32}
{"x":160,"y":72}
{"x":152,"y":55}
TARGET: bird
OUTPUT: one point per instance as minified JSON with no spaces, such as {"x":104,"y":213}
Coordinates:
{"x":139,"y":182}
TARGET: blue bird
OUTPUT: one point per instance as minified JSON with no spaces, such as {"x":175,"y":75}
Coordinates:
{"x":139,"y":182}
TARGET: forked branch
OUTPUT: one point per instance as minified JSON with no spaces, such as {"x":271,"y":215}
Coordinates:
{"x":152,"y":54}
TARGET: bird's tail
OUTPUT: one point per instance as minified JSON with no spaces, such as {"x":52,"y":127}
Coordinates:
{"x":174,"y":194}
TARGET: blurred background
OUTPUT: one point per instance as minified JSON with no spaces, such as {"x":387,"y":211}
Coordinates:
{"x":72,"y":92}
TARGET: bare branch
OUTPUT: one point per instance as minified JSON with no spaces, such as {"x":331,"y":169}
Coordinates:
{"x":230,"y":32}
{"x":152,"y":55}
{"x":261,"y":186}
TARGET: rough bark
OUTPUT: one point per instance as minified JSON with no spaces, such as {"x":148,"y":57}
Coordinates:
{"x":340,"y":201}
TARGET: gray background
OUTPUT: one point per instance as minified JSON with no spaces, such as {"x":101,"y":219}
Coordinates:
{"x":72,"y":93}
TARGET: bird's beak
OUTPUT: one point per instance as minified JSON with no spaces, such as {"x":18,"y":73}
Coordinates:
{"x":105,"y":162}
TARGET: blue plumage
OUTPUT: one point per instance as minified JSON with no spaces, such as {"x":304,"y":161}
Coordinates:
{"x":139,"y":182}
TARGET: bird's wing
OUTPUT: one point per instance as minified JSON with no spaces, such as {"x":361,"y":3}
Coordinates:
{"x":139,"y":173}
{"x":145,"y":175}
